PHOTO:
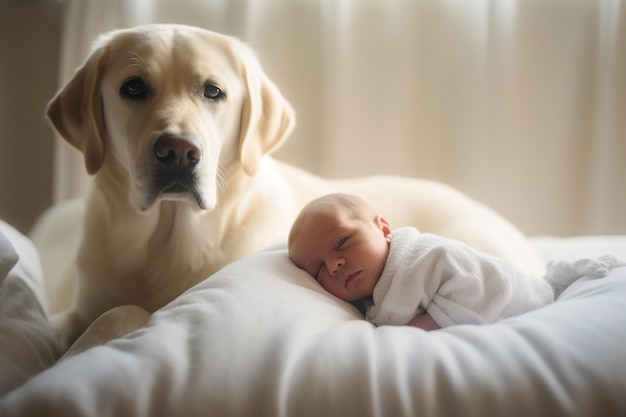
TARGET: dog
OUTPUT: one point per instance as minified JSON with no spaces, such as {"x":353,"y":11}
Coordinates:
{"x":176,"y":124}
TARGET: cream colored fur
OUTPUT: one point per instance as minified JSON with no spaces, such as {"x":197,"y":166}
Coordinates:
{"x":142,"y":249}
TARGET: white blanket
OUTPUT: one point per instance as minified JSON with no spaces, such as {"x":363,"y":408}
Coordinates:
{"x":457,"y":285}
{"x":262,"y":338}
{"x":8,"y":256}
{"x":27,"y":343}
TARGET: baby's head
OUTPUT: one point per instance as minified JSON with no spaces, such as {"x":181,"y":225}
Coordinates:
{"x":343,"y":243}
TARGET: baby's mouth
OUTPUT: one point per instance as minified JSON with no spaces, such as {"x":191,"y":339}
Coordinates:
{"x":351,"y":277}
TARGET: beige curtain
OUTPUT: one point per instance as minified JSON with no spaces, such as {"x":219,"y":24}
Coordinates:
{"x":520,"y":104}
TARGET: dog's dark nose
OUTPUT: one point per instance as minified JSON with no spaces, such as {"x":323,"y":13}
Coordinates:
{"x":174,"y":151}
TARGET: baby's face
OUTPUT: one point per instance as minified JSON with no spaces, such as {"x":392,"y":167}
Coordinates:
{"x":346,"y":256}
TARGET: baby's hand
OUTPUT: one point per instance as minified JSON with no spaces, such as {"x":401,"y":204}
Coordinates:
{"x":424,"y":321}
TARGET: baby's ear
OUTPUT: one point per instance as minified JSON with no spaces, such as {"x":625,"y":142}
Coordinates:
{"x":384,"y":227}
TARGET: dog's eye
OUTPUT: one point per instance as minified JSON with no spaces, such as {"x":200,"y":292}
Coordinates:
{"x":134,"y":88}
{"x":213,"y":92}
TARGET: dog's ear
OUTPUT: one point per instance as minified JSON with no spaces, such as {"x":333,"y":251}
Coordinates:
{"x":76,"y":111}
{"x":267,"y":117}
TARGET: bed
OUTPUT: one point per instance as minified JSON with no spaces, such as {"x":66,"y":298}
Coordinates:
{"x":261,"y":338}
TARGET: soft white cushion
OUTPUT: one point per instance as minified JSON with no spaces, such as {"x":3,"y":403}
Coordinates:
{"x":8,"y":256}
{"x":27,"y":344}
{"x":577,"y":247}
{"x":261,"y":338}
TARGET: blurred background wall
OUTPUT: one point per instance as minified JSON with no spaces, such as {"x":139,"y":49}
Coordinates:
{"x":520,"y":104}
{"x":29,"y":60}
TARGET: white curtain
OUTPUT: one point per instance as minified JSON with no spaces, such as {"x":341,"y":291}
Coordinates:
{"x":520,"y":104}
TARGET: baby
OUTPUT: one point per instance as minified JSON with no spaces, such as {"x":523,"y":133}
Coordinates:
{"x":403,"y":276}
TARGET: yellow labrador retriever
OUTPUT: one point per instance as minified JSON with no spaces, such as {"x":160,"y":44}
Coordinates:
{"x":176,"y":124}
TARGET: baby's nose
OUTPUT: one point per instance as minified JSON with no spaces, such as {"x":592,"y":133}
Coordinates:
{"x":335,"y":264}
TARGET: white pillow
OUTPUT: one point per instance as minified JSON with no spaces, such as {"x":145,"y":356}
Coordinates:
{"x":8,"y":256}
{"x":27,"y":343}
{"x":262,"y":338}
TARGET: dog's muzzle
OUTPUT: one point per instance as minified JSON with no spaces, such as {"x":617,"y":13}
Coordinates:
{"x":175,"y":160}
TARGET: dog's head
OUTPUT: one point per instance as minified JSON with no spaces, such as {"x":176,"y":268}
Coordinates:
{"x":168,"y":109}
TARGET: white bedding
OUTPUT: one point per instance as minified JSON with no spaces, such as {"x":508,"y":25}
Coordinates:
{"x":27,"y":344}
{"x":261,"y":338}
